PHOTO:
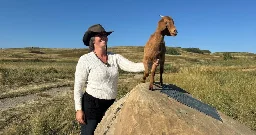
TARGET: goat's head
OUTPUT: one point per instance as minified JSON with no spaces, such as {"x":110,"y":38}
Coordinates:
{"x":166,"y":26}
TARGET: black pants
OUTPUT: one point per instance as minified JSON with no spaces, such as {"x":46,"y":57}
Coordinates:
{"x":94,"y":110}
{"x":89,"y":127}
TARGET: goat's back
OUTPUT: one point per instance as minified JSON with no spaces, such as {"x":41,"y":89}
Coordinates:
{"x":154,"y":51}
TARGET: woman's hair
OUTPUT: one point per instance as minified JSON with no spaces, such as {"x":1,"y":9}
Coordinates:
{"x":91,"y":44}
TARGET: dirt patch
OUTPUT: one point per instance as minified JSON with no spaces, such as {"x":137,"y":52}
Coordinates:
{"x":8,"y":103}
{"x":249,"y":69}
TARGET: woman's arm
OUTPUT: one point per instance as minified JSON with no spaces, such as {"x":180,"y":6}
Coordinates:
{"x":128,"y":65}
{"x":81,"y":75}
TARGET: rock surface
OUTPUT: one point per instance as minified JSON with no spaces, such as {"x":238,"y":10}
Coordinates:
{"x":144,"y":112}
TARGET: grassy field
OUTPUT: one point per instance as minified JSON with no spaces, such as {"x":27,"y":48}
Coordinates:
{"x":226,"y":82}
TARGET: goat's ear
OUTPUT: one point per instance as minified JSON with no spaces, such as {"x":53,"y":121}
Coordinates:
{"x":161,"y":16}
{"x":161,"y":23}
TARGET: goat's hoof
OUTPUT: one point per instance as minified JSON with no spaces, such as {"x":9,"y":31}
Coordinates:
{"x":150,"y":88}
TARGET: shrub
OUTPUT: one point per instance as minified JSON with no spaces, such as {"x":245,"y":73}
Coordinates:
{"x":172,"y":51}
{"x":227,"y":56}
{"x":193,"y":50}
{"x":37,"y":52}
{"x":206,"y":51}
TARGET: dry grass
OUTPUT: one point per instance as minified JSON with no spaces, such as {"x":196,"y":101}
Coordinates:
{"x":230,"y":91}
{"x":228,"y":85}
{"x":52,"y":116}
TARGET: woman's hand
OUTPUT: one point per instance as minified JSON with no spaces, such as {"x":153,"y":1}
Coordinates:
{"x":80,"y":116}
{"x":156,"y":63}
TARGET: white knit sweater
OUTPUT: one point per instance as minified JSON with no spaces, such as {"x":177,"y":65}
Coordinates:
{"x":101,"y":79}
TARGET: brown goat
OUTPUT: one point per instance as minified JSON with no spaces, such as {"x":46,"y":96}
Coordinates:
{"x":155,"y":48}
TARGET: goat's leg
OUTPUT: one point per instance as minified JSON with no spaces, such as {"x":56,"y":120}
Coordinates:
{"x":153,"y":70}
{"x":161,"y":73}
{"x":146,"y":72}
{"x":162,"y":60}
{"x":162,"y":69}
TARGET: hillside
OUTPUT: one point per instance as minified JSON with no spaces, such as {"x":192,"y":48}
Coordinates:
{"x":224,"y":82}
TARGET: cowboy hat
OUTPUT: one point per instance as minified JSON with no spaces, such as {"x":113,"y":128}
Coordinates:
{"x":92,"y":31}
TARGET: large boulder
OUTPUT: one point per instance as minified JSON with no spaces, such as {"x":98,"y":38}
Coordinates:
{"x":144,"y":112}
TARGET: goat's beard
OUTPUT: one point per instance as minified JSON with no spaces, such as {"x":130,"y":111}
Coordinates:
{"x":166,"y":32}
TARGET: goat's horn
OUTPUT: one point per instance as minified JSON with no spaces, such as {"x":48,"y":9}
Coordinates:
{"x":161,"y":16}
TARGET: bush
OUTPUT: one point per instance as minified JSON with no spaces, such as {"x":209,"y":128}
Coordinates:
{"x":172,"y":51}
{"x":37,"y":52}
{"x":227,"y":56}
{"x":206,"y":51}
{"x":193,"y":50}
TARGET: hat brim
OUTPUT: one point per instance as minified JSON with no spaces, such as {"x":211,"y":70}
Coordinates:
{"x":88,"y":34}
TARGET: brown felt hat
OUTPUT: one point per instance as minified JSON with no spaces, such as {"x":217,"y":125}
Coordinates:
{"x":92,"y":31}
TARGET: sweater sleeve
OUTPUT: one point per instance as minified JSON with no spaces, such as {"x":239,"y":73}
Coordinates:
{"x":81,"y":75}
{"x":128,"y":65}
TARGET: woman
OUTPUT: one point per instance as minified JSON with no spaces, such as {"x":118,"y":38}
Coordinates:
{"x":99,"y":71}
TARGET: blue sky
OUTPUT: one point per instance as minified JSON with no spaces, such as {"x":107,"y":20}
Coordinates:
{"x":215,"y":25}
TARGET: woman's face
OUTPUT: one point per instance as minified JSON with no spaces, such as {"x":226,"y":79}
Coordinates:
{"x":101,"y":40}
